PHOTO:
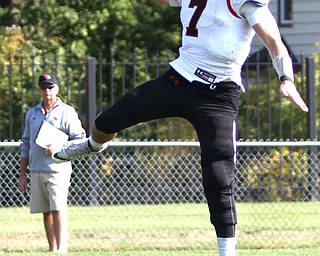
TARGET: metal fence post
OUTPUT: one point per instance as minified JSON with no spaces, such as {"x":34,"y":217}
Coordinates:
{"x":311,"y":87}
{"x":314,"y":169}
{"x":91,"y":114}
{"x":91,"y":91}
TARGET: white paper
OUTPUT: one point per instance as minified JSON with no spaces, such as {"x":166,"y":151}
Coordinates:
{"x":48,"y":134}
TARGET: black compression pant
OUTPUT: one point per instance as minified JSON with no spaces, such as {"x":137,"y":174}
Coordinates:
{"x":211,"y":112}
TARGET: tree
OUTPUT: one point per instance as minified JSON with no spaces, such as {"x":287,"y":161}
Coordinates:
{"x":86,"y":27}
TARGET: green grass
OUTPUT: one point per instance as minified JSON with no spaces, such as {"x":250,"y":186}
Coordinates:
{"x":176,"y":229}
{"x":288,"y":252}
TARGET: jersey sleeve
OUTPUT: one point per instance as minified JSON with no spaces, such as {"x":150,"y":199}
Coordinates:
{"x":175,"y":2}
{"x":236,"y":5}
{"x":259,"y":3}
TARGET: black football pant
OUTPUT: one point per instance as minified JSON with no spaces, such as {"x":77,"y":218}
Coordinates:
{"x":212,"y":112}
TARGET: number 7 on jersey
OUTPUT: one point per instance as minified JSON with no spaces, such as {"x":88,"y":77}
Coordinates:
{"x":200,"y":5}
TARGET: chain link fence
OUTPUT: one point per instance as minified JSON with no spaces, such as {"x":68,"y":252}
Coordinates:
{"x":148,"y":196}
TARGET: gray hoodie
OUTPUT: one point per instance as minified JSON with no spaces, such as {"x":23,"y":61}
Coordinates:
{"x":61,"y":116}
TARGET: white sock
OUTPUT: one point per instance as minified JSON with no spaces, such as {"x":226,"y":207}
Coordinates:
{"x":227,"y":246}
{"x":94,"y":145}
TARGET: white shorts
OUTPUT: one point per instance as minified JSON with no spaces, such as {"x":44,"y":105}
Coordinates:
{"x":49,"y":191}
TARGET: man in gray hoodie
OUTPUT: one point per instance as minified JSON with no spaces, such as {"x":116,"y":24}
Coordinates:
{"x":50,"y":181}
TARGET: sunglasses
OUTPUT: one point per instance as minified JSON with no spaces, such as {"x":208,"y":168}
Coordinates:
{"x":46,"y":86}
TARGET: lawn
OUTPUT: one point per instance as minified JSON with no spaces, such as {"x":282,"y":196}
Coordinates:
{"x":173,"y":230}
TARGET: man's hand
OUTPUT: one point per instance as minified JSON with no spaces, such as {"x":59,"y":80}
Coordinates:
{"x":23,"y":183}
{"x":49,"y":150}
{"x":289,"y":90}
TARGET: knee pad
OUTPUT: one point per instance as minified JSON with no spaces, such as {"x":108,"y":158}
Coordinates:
{"x":217,"y":175}
{"x":222,"y":208}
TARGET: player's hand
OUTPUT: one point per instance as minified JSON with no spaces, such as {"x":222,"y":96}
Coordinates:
{"x":289,"y":90}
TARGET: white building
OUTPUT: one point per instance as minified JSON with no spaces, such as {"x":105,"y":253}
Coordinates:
{"x":299,"y":23}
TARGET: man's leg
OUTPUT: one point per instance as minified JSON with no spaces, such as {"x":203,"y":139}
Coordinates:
{"x":48,"y":225}
{"x":60,"y":227}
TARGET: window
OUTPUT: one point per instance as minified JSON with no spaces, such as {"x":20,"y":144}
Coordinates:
{"x":285,"y":12}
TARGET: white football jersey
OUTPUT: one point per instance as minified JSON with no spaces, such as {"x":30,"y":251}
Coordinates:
{"x":216,"y":40}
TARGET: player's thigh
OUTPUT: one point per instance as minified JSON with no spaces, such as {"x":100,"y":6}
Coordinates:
{"x":149,"y":101}
{"x":216,"y":136}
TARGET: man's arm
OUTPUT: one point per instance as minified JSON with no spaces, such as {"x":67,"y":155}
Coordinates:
{"x":24,"y":161}
{"x":267,"y":29}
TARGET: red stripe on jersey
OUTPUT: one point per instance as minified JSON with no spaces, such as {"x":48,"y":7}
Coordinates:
{"x":233,"y":12}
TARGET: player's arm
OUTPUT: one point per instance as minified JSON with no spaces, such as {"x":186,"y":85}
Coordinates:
{"x":268,"y":31}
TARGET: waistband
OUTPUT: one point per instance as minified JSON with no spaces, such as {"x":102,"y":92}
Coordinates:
{"x":177,"y":77}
